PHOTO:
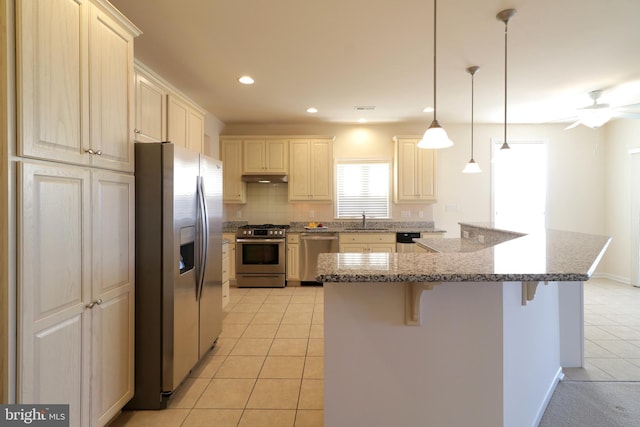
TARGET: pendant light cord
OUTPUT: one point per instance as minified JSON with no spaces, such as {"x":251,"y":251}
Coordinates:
{"x":435,"y":8}
{"x":472,"y":75}
{"x":506,"y":29}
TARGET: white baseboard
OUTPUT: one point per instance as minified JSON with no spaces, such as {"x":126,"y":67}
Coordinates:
{"x":547,"y":398}
{"x":614,"y":277}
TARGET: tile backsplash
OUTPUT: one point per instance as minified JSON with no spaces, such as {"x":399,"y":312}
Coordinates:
{"x":269,"y":204}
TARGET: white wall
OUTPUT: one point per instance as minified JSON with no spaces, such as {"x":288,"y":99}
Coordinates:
{"x":621,"y":135}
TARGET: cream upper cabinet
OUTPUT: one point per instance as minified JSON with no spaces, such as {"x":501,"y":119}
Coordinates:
{"x":265,"y":156}
{"x":233,"y":189}
{"x":415,"y":171}
{"x":367,"y":242}
{"x":311,"y":171}
{"x":76,"y":289}
{"x":75,"y":82}
{"x":151,"y":110}
{"x":185,"y":123}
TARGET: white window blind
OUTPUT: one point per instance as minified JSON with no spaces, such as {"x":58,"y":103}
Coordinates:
{"x":362,"y":186}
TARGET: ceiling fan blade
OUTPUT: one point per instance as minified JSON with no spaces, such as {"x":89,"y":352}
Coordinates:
{"x":574,"y":124}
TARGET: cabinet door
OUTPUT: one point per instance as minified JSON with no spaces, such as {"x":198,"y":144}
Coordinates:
{"x":427,"y":164}
{"x":234,"y":190}
{"x":406,"y":171}
{"x":52,"y":91}
{"x":415,"y":172}
{"x":299,"y":176}
{"x":387,"y":248}
{"x":113,"y":289}
{"x":276,"y":156}
{"x":311,"y":171}
{"x":254,"y":156}
{"x":111,"y":81}
{"x":54,"y":287}
{"x":178,"y":121}
{"x":151,"y":110}
{"x":321,"y":163}
{"x":195,"y":131}
{"x":293,"y":262}
{"x":354,"y":247}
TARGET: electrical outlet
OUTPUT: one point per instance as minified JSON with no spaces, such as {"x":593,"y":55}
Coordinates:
{"x":239,"y":214}
{"x":480,"y":238}
{"x":465,"y":234}
{"x":405,"y":214}
{"x":421,"y":214}
{"x":312,"y":214}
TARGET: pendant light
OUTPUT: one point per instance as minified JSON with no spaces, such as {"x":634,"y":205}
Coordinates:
{"x":504,"y":16}
{"x":435,"y":136}
{"x":472,"y":166}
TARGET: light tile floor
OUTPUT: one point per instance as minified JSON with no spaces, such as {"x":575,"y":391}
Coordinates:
{"x":267,"y":368}
{"x":612,"y":333}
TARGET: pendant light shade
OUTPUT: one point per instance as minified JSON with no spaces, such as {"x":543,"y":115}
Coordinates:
{"x":505,"y":16}
{"x":435,"y":136}
{"x":472,"y":166}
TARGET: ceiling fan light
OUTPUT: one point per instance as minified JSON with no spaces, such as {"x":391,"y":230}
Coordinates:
{"x":471,"y":167}
{"x":594,"y":118}
{"x":435,"y":137}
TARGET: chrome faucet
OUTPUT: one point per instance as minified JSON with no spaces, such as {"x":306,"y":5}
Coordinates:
{"x":364,"y":220}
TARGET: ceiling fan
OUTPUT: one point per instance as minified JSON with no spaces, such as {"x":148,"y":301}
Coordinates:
{"x":597,"y":114}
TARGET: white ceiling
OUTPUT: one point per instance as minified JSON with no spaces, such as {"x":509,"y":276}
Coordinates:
{"x":338,"y":54}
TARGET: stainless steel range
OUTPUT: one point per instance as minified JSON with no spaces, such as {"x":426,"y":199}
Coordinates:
{"x":260,"y":255}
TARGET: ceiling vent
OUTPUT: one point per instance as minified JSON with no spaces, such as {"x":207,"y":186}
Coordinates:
{"x":364,"y":107}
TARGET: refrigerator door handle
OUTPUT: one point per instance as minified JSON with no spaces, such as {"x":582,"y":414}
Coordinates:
{"x":204,"y":236}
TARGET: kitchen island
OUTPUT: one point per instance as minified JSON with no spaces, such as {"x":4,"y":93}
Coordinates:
{"x":476,"y":334}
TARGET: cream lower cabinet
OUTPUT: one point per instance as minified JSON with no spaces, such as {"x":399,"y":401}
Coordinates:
{"x":367,"y":242}
{"x":231,"y":237}
{"x":311,"y":170}
{"x":76,"y":288}
{"x":75,"y":63}
{"x":293,"y":257}
{"x":415,"y":172}
{"x":225,"y":274}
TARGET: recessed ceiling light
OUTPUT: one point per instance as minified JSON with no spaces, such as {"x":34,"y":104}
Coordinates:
{"x":428,"y":110}
{"x":362,"y":120}
{"x":246,"y":80}
{"x":312,"y":110}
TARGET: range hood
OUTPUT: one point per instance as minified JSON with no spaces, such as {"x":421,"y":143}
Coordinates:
{"x":266,"y":179}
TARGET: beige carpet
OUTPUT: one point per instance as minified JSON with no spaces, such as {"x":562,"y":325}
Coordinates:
{"x":594,"y":404}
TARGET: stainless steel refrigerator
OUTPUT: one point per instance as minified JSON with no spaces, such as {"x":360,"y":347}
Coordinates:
{"x":178,"y":267}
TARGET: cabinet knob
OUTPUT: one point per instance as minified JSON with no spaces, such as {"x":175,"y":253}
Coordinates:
{"x":137,"y":131}
{"x":94,"y":303}
{"x":91,"y":151}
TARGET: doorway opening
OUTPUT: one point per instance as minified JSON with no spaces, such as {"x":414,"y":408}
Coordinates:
{"x":519,"y":185}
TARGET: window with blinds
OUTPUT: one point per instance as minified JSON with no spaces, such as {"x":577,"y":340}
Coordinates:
{"x":362,"y":186}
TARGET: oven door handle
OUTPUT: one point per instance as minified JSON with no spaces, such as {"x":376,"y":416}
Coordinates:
{"x":259,"y":240}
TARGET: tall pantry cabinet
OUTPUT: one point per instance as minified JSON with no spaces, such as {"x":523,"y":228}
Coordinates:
{"x":75,"y":196}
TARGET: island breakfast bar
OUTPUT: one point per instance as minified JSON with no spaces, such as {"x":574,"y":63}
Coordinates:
{"x":474,"y":331}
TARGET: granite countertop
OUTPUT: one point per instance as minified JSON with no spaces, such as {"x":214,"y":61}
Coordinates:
{"x":548,"y":255}
{"x":371,"y":227}
{"x":439,"y":244}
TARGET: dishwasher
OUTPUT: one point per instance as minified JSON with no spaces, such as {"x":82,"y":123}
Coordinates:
{"x":313,"y":244}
